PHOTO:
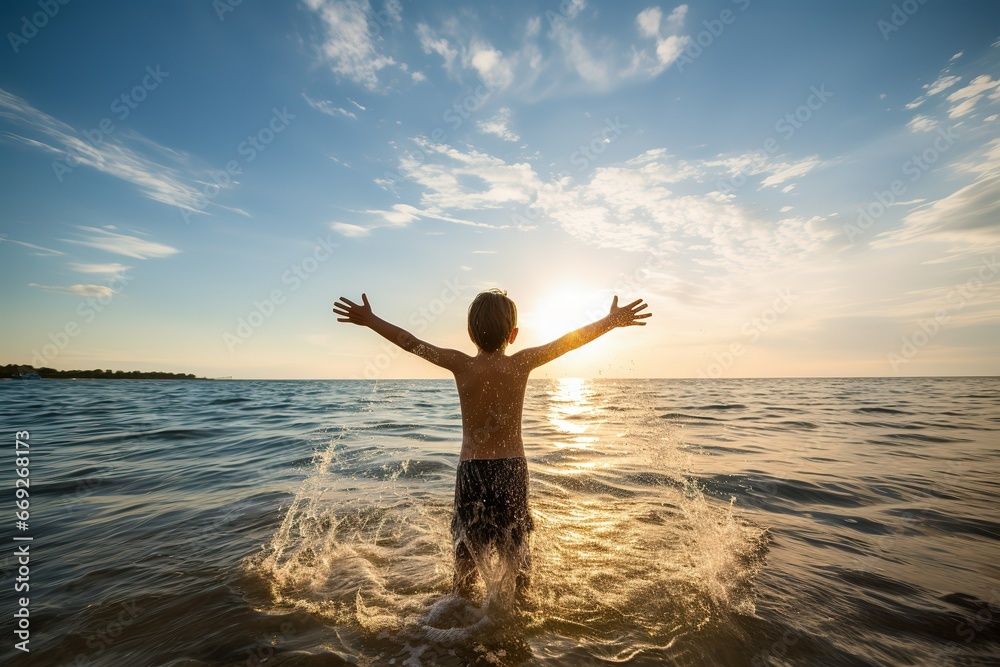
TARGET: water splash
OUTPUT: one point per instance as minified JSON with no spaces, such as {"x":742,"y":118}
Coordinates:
{"x":624,"y":563}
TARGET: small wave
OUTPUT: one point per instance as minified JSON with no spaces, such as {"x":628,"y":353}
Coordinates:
{"x":882,"y":411}
{"x":924,"y":518}
{"x":718,"y":406}
{"x":877,"y":582}
{"x":227,"y":401}
{"x":920,"y":437}
{"x":681,"y":415}
{"x":78,"y":486}
{"x":895,"y":425}
{"x":799,"y":424}
{"x":770,"y":492}
{"x":854,"y":522}
{"x":179,"y":433}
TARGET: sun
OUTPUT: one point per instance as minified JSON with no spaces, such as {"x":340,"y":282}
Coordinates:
{"x":562,"y":310}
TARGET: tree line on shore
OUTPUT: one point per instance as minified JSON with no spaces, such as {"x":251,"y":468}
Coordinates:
{"x":11,"y":370}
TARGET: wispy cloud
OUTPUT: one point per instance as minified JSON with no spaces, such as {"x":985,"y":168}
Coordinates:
{"x":775,"y":170}
{"x":964,"y":221}
{"x":576,"y":52}
{"x":450,"y":181}
{"x":965,"y":99}
{"x":347,"y":229}
{"x":111,"y":155}
{"x":329,"y":108}
{"x":348,"y":44}
{"x":462,"y":50}
{"x":499,"y":125}
{"x":921,"y":123}
{"x":40,"y":251}
{"x":400,"y":215}
{"x":669,"y":44}
{"x":111,"y":268}
{"x":122,"y":244}
{"x":630,"y":207}
{"x":941,"y":84}
{"x":76,"y":290}
{"x":431,"y":42}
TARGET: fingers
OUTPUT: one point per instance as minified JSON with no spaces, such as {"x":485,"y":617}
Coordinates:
{"x":614,"y":302}
{"x":349,"y":302}
{"x":642,"y":307}
{"x":342,"y":312}
{"x":364,"y":299}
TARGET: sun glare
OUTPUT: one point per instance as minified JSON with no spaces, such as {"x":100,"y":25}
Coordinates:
{"x":563,"y":310}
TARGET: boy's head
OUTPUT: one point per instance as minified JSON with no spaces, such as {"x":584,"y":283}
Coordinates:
{"x":492,"y":320}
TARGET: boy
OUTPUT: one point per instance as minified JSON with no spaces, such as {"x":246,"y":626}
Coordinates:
{"x":491,"y":487}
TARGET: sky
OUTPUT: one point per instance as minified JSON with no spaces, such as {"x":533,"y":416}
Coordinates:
{"x":796,"y":189}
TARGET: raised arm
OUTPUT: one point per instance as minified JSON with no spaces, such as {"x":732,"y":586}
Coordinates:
{"x":623,"y":316}
{"x":361,"y":314}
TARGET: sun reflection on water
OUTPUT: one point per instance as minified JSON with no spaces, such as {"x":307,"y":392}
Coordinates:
{"x":569,"y":409}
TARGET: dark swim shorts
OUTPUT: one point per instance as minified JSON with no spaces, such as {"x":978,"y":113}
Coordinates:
{"x":491,"y":504}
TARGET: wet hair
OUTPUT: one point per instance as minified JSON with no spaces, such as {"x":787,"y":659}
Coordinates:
{"x":492,"y":316}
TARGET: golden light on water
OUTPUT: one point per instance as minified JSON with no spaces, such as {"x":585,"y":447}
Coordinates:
{"x":572,"y":413}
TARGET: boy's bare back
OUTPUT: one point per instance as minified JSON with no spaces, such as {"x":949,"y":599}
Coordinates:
{"x":491,"y":390}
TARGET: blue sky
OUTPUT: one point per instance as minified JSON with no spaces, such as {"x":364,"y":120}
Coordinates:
{"x":796,"y":188}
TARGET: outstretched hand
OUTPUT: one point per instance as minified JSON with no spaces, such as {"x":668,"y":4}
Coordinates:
{"x":629,"y":315}
{"x":360,"y":314}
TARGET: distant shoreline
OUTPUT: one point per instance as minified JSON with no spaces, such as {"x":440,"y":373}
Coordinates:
{"x":24,"y":373}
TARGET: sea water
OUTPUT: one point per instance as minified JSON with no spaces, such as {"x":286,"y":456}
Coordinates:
{"x":684,"y":522}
